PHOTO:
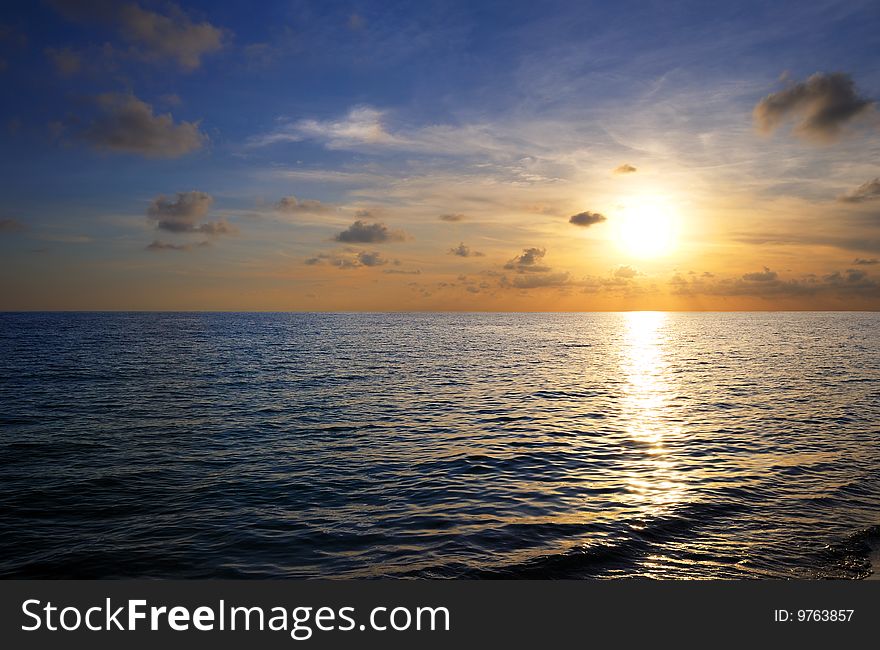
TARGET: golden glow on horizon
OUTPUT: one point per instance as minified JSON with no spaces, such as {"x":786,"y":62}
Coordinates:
{"x":647,"y":227}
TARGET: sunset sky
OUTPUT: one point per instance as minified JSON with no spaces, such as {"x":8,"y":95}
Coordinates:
{"x":439,"y":155}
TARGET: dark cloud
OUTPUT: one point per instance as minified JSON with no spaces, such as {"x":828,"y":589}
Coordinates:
{"x":852,"y":280}
{"x":11,"y":225}
{"x":66,"y":62}
{"x":350,"y":259}
{"x":760,"y":276}
{"x":371,"y":259}
{"x":528,"y":262}
{"x":625,"y":168}
{"x":537,"y":280}
{"x":860,"y":261}
{"x":402,"y":272}
{"x":464,"y":251}
{"x":586,"y":219}
{"x":531,"y":272}
{"x":451,"y":217}
{"x":172,"y":35}
{"x":868,"y":191}
{"x":185,"y":213}
{"x":361,"y":232}
{"x":768,"y":284}
{"x":820,"y":106}
{"x":128,"y":125}
{"x":293,"y":205}
{"x":158,"y":245}
{"x":625,"y":272}
{"x":11,"y":36}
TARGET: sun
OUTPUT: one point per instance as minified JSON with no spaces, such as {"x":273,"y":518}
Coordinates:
{"x":647,"y":227}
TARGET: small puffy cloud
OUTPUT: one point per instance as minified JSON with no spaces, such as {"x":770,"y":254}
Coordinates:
{"x":625,"y":272}
{"x":66,"y":62}
{"x":350,"y":259}
{"x":371,"y":258}
{"x":528,"y":262}
{"x":464,"y":251}
{"x":293,"y":205}
{"x":185,"y":214}
{"x":761,"y":276}
{"x":868,"y":191}
{"x":361,"y":232}
{"x":819,"y":106}
{"x":159,"y":246}
{"x":11,"y":225}
{"x":172,"y":35}
{"x":128,"y":125}
{"x":860,"y":261}
{"x":625,"y":168}
{"x":451,"y":218}
{"x":587,"y":219}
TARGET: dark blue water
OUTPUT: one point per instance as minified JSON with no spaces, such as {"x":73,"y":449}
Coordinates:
{"x":439,"y":445}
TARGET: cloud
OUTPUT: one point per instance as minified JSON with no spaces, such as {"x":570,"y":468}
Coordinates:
{"x":868,"y":191}
{"x":819,"y":106}
{"x":768,"y":284}
{"x":625,"y":168}
{"x":537,"y":280}
{"x":154,"y":36}
{"x":625,"y":272}
{"x":185,"y":214}
{"x":361,"y":232}
{"x":528,"y":262}
{"x":11,"y":225}
{"x":362,"y":125}
{"x":350,"y":259}
{"x":587,"y":219}
{"x":760,"y":276}
{"x":292,"y":205}
{"x":128,"y":125}
{"x":464,"y":251}
{"x":66,"y":62}
{"x":451,"y":217}
{"x":866,"y":262}
{"x":158,"y":245}
{"x":364,"y":128}
{"x":371,"y":259}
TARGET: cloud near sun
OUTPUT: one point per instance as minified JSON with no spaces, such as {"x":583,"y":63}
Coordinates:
{"x":373,"y":165}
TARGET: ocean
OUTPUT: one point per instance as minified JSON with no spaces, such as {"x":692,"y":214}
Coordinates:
{"x":448,"y":445}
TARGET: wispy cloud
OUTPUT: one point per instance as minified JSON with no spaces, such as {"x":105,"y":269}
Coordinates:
{"x":868,"y":191}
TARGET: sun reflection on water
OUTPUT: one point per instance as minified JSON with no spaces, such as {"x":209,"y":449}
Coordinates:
{"x":655,"y":478}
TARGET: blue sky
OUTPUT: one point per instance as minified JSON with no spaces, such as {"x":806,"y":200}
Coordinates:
{"x":511,"y":114}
